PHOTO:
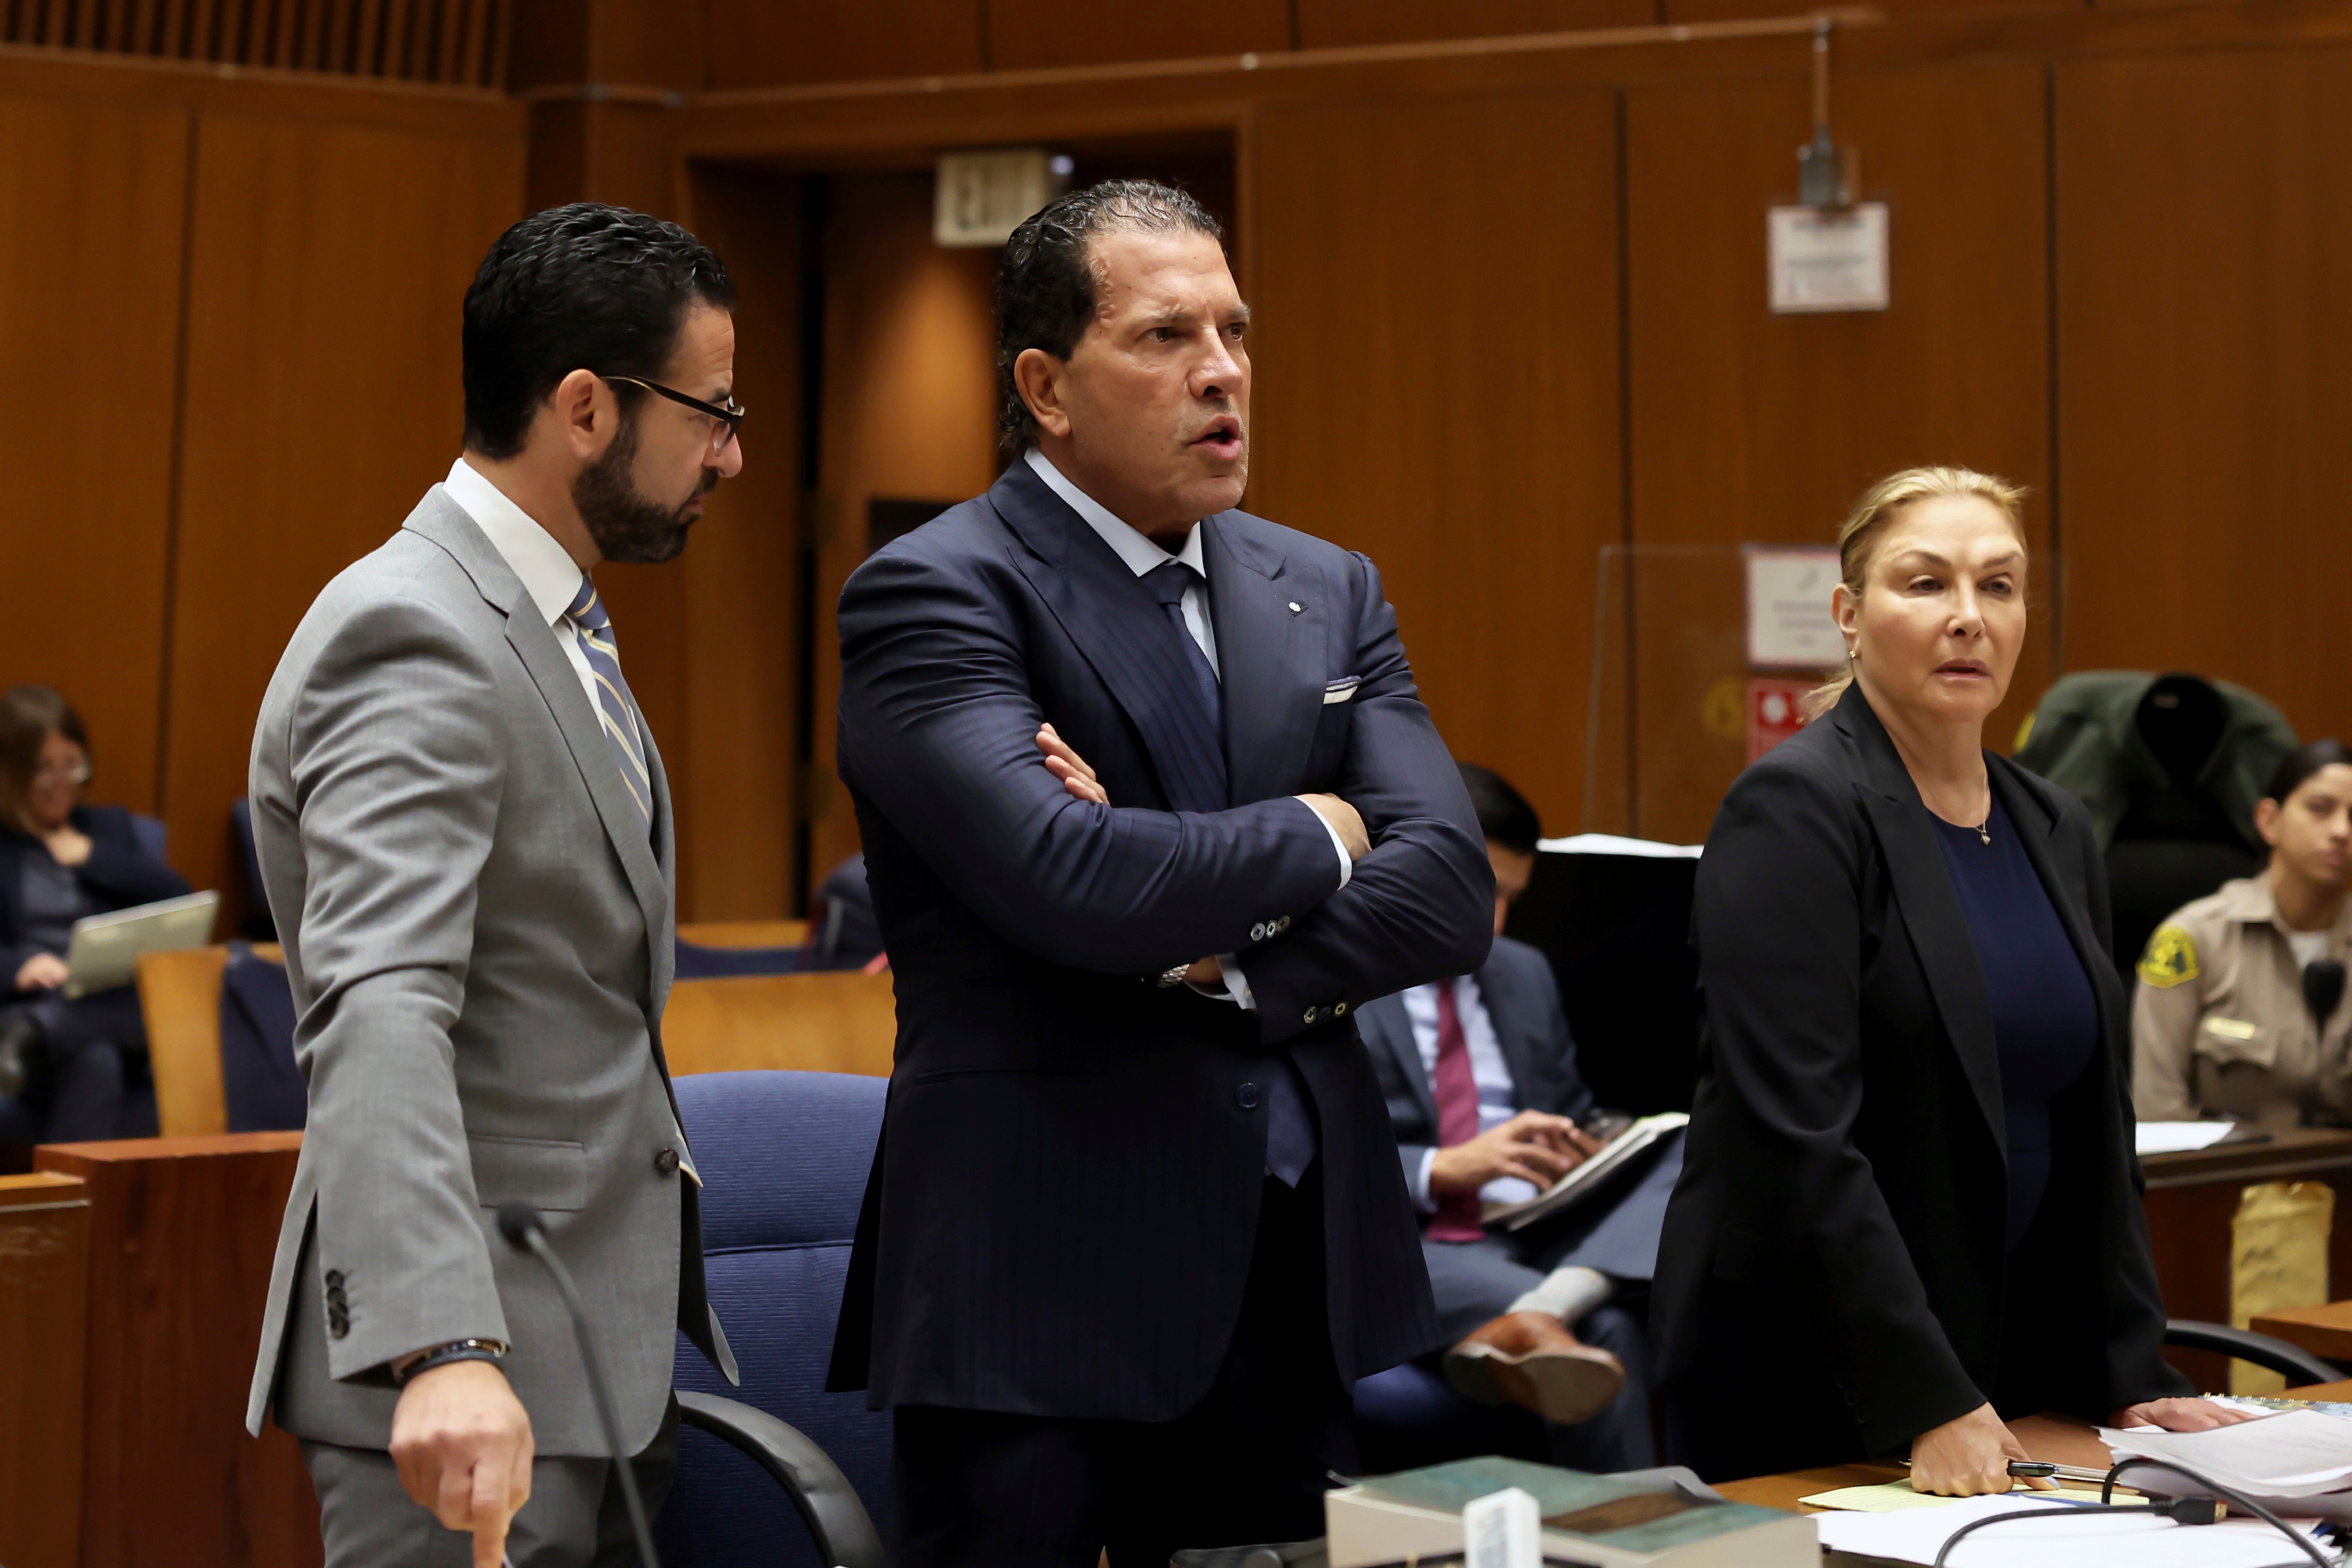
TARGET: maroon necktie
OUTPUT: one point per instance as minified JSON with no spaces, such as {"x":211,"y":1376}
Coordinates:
{"x":1456,"y":1219}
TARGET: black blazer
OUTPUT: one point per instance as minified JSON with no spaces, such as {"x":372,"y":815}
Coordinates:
{"x":1061,"y":1210}
{"x":118,"y":874}
{"x":1522,"y":1000}
{"x":1839,"y":1224}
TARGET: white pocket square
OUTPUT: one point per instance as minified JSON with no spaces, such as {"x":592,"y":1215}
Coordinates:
{"x":1341,"y":690}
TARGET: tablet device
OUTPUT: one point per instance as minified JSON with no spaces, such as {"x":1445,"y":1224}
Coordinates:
{"x":106,"y":948}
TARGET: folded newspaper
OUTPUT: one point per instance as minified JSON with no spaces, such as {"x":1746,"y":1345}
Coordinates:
{"x":1587,"y":1178}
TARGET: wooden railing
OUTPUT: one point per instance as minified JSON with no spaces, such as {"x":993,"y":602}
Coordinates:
{"x":453,"y":43}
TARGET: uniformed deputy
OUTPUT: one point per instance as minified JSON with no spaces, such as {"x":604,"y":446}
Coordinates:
{"x":2225,"y":1023}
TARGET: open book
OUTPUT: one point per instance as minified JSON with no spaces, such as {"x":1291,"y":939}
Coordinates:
{"x":1572,"y":1188}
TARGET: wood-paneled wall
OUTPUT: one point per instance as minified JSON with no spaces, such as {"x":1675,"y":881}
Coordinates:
{"x":233,"y":308}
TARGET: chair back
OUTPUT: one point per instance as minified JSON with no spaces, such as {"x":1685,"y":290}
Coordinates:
{"x":784,"y":1157}
{"x":182,"y":998}
{"x":152,"y":835}
{"x":828,"y":1022}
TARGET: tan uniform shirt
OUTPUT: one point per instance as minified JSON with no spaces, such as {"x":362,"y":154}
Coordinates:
{"x":2220,"y":1027}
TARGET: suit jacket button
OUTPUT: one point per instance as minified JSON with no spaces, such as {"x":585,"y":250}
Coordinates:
{"x":1340,"y":1010}
{"x":1282,"y":924}
{"x":1246,"y":1096}
{"x":1306,"y":1017}
{"x":1257,"y":932}
{"x":666,"y":1161}
{"x":339,"y":1326}
{"x":334,"y":1278}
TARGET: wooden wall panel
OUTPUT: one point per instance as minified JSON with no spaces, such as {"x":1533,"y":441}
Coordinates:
{"x":1026,"y":33}
{"x":1750,"y":426}
{"x":92,"y":203}
{"x":2205,"y":324}
{"x":1899,"y":10}
{"x":909,"y":413}
{"x":757,"y":43}
{"x":1333,"y":23}
{"x":733,"y":770}
{"x":1436,"y":359}
{"x":182,"y":1231}
{"x":326,"y":270}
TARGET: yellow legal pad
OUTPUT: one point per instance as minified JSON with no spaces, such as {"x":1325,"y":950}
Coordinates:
{"x":1894,"y":1497}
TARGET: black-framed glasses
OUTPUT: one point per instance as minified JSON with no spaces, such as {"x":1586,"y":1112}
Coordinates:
{"x":730,"y":418}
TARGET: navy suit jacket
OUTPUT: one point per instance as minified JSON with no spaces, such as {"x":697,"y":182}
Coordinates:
{"x":1523,"y":1003}
{"x":1063,"y":1207}
{"x":118,"y":874}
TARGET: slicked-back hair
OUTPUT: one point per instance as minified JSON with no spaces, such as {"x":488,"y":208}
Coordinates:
{"x":1046,"y":288}
{"x":585,"y":286}
{"x":2296,"y":768}
{"x":1503,"y":815}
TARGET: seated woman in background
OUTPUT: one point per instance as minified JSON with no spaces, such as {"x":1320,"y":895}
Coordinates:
{"x":65,"y":1065}
{"x":2228,"y":1020}
{"x":1909,"y":1207}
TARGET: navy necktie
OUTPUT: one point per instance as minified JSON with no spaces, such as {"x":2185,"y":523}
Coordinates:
{"x":1199,"y":782}
{"x":1290,"y":1129}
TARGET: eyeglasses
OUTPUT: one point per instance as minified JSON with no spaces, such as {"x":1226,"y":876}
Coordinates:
{"x":730,"y":418}
{"x":71,"y":773}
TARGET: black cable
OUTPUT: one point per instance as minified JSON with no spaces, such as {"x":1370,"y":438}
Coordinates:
{"x":519,"y":1224}
{"x":2310,"y":1548}
{"x":2186,"y":1510}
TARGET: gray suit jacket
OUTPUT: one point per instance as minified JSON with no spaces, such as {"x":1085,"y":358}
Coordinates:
{"x":1523,"y":1002}
{"x":478,"y":931}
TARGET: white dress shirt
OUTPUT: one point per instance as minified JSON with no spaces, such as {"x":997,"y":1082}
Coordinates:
{"x":548,"y":572}
{"x":1497,"y":1094}
{"x":1142,"y":554}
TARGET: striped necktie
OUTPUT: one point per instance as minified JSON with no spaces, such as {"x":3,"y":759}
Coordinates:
{"x":595,"y":629}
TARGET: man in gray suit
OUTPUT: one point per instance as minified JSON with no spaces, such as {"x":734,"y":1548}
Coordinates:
{"x":464,"y":831}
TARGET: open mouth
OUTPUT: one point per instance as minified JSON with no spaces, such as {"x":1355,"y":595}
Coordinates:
{"x":1222,"y":438}
{"x":1964,"y":668}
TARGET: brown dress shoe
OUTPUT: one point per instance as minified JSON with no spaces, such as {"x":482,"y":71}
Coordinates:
{"x":1531,"y":1359}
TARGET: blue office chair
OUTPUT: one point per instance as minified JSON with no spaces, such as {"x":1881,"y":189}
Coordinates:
{"x":784,"y":1157}
{"x":697,"y":962}
{"x":261,"y":1087}
{"x":150,"y":835}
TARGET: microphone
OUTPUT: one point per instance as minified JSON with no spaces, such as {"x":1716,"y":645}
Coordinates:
{"x":2322,"y":989}
{"x":520,"y":1223}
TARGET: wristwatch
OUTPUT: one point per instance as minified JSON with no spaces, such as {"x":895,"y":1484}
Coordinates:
{"x":1173,"y":974}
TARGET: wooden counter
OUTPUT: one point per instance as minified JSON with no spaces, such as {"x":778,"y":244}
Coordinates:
{"x":182,"y":1231}
{"x":2193,"y":1196}
{"x":44,"y":1286}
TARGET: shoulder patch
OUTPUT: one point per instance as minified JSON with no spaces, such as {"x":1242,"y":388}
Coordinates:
{"x":2170,"y":958}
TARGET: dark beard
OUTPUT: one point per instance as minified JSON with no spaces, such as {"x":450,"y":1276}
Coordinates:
{"x":627,"y":524}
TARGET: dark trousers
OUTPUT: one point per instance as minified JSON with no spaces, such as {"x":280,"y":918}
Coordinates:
{"x":976,"y":1488}
{"x":90,"y":1080}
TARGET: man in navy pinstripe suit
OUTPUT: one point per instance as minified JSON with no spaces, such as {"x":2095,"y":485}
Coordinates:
{"x":1150,"y":807}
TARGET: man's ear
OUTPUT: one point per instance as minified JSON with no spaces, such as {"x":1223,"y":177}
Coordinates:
{"x":1037,"y":377}
{"x":586,"y":414}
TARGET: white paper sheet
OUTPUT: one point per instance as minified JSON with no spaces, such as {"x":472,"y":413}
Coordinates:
{"x":2093,"y":1540}
{"x":2298,"y":1454}
{"x":2177,"y":1137}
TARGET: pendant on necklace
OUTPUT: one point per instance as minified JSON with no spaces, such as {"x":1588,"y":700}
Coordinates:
{"x":1984,"y":832}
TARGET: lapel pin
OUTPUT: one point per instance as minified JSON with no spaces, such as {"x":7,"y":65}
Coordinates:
{"x":1295,"y":607}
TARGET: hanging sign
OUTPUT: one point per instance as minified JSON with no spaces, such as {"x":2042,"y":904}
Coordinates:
{"x":1828,"y":258}
{"x":1789,"y":623}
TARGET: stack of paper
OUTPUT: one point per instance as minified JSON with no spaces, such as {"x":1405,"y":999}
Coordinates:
{"x":2177,"y":1137}
{"x":2055,"y":1541}
{"x":2299,"y":1456}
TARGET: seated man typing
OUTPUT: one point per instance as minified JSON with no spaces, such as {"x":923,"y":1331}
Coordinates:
{"x":1484,"y":1100}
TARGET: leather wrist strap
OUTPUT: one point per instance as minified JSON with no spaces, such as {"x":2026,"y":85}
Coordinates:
{"x":488,"y":1350}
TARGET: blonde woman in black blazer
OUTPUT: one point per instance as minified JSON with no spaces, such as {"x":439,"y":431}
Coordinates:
{"x":1910,"y":1207}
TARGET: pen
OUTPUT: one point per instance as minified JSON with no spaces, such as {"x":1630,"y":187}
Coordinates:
{"x":2032,"y":1470}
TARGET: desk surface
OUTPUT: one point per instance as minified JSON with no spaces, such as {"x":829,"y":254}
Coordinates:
{"x":2289,"y":1151}
{"x":2059,"y":1439}
{"x":2326,"y":1330}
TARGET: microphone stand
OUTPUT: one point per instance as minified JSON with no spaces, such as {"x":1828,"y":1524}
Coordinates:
{"x":520,"y":1225}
